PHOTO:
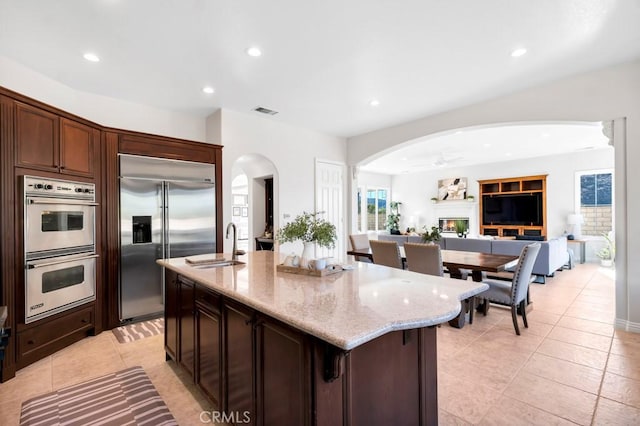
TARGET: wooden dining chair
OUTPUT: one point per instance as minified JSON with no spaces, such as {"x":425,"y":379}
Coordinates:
{"x":360,"y":242}
{"x":424,"y":258}
{"x":386,"y":253}
{"x":514,"y":294}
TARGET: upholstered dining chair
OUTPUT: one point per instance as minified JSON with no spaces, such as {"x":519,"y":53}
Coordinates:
{"x":360,"y":242}
{"x":424,"y":258}
{"x":386,"y":253}
{"x":514,"y":294}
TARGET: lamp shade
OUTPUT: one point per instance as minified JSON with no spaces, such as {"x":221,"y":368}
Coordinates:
{"x":575,"y":219}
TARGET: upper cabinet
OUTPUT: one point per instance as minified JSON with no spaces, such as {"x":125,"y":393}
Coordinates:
{"x":46,"y":141}
{"x":78,"y":148}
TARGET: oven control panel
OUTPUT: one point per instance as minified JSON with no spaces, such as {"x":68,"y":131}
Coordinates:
{"x":47,"y":187}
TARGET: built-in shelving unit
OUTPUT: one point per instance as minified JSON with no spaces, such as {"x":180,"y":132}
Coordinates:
{"x":513,"y":186}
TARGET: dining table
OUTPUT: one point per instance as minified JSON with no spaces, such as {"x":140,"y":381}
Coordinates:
{"x":456,"y":262}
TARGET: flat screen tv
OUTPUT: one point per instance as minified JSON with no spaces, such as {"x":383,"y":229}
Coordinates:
{"x":512,"y":209}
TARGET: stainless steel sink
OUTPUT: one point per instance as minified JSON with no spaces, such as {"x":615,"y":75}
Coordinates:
{"x":219,"y":264}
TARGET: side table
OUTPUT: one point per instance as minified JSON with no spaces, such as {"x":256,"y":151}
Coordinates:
{"x":583,"y":244}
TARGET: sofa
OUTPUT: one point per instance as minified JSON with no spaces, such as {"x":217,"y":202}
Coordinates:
{"x":553,"y":255}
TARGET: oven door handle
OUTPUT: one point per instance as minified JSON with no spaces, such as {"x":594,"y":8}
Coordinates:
{"x":57,"y":262}
{"x":65,"y":202}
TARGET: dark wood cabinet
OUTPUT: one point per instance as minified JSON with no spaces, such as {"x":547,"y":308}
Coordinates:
{"x":209,"y":345}
{"x":42,"y":140}
{"x":283,"y":374}
{"x":186,"y":335}
{"x":264,"y":372}
{"x":78,"y":148}
{"x":171,"y":294}
{"x":48,"y":142}
{"x":37,"y":138}
{"x":239,"y":354}
{"x":53,"y":334}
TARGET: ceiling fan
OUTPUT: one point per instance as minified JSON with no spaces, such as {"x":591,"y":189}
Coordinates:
{"x":446,"y":159}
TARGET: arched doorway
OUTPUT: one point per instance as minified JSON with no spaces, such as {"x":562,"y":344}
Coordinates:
{"x":254,"y":179}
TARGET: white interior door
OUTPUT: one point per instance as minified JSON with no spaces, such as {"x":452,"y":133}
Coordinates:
{"x":330,"y":200}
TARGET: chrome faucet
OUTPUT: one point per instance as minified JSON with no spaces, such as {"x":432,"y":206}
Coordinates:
{"x":232,"y":225}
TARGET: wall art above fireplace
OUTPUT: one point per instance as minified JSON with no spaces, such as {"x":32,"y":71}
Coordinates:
{"x":452,"y":189}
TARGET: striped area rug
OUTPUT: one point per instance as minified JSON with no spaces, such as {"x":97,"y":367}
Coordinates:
{"x":126,"y":397}
{"x":140,"y":330}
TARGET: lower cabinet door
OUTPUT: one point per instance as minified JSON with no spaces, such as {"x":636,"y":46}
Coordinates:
{"x":284,"y":374}
{"x":171,"y":314}
{"x":240,"y":366}
{"x":187,"y":326}
{"x":208,"y":344}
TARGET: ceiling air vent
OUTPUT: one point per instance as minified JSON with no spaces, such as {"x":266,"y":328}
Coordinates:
{"x":265,"y":110}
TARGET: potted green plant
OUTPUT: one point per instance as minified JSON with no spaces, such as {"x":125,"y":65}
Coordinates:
{"x":608,"y":253}
{"x":434,"y":200}
{"x":471,"y":198}
{"x":431,"y":235}
{"x":393,"y":220}
{"x":311,"y":230}
{"x":461,"y":227}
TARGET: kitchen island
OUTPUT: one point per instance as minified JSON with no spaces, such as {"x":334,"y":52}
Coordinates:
{"x":268,"y":347}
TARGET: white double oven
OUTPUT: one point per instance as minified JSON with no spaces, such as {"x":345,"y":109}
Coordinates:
{"x":60,"y":249}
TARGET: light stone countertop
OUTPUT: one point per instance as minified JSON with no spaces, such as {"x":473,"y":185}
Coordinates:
{"x":345,"y":309}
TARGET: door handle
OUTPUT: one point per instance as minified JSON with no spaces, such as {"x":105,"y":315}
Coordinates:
{"x":63,"y":202}
{"x":57,"y":262}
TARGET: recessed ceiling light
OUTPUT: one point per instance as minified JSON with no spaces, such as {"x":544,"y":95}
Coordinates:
{"x":507,"y":154}
{"x":254,"y":51}
{"x":91,"y":57}
{"x":486,"y":145}
{"x":404,"y":158}
{"x":518,"y":52}
{"x":208,"y":90}
{"x":374,"y":102}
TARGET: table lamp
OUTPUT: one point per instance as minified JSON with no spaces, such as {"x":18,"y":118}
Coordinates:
{"x":576,"y":220}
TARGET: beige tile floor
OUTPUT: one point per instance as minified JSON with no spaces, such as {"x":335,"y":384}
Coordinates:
{"x":568,"y":367}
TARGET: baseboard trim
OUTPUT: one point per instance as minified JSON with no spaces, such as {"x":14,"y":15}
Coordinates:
{"x":625,"y":325}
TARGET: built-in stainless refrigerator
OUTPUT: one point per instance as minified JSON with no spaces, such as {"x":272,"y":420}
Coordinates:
{"x":167,"y":209}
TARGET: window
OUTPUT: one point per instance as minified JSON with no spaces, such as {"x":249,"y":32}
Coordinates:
{"x":595,"y":203}
{"x":375,"y":205}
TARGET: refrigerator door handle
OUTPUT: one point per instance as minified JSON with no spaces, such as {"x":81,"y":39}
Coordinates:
{"x":165,"y":215}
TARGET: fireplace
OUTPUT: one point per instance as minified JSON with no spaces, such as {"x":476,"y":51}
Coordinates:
{"x":448,"y":224}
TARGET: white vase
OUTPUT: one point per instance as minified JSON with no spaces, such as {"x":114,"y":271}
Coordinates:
{"x":607,"y":263}
{"x":307,"y":254}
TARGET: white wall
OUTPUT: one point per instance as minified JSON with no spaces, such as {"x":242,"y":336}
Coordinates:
{"x":103,"y":110}
{"x":291,"y":149}
{"x":416,"y":189}
{"x":374,"y":180}
{"x":611,"y":93}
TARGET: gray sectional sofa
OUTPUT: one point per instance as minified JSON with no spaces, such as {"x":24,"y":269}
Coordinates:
{"x":553,"y":255}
